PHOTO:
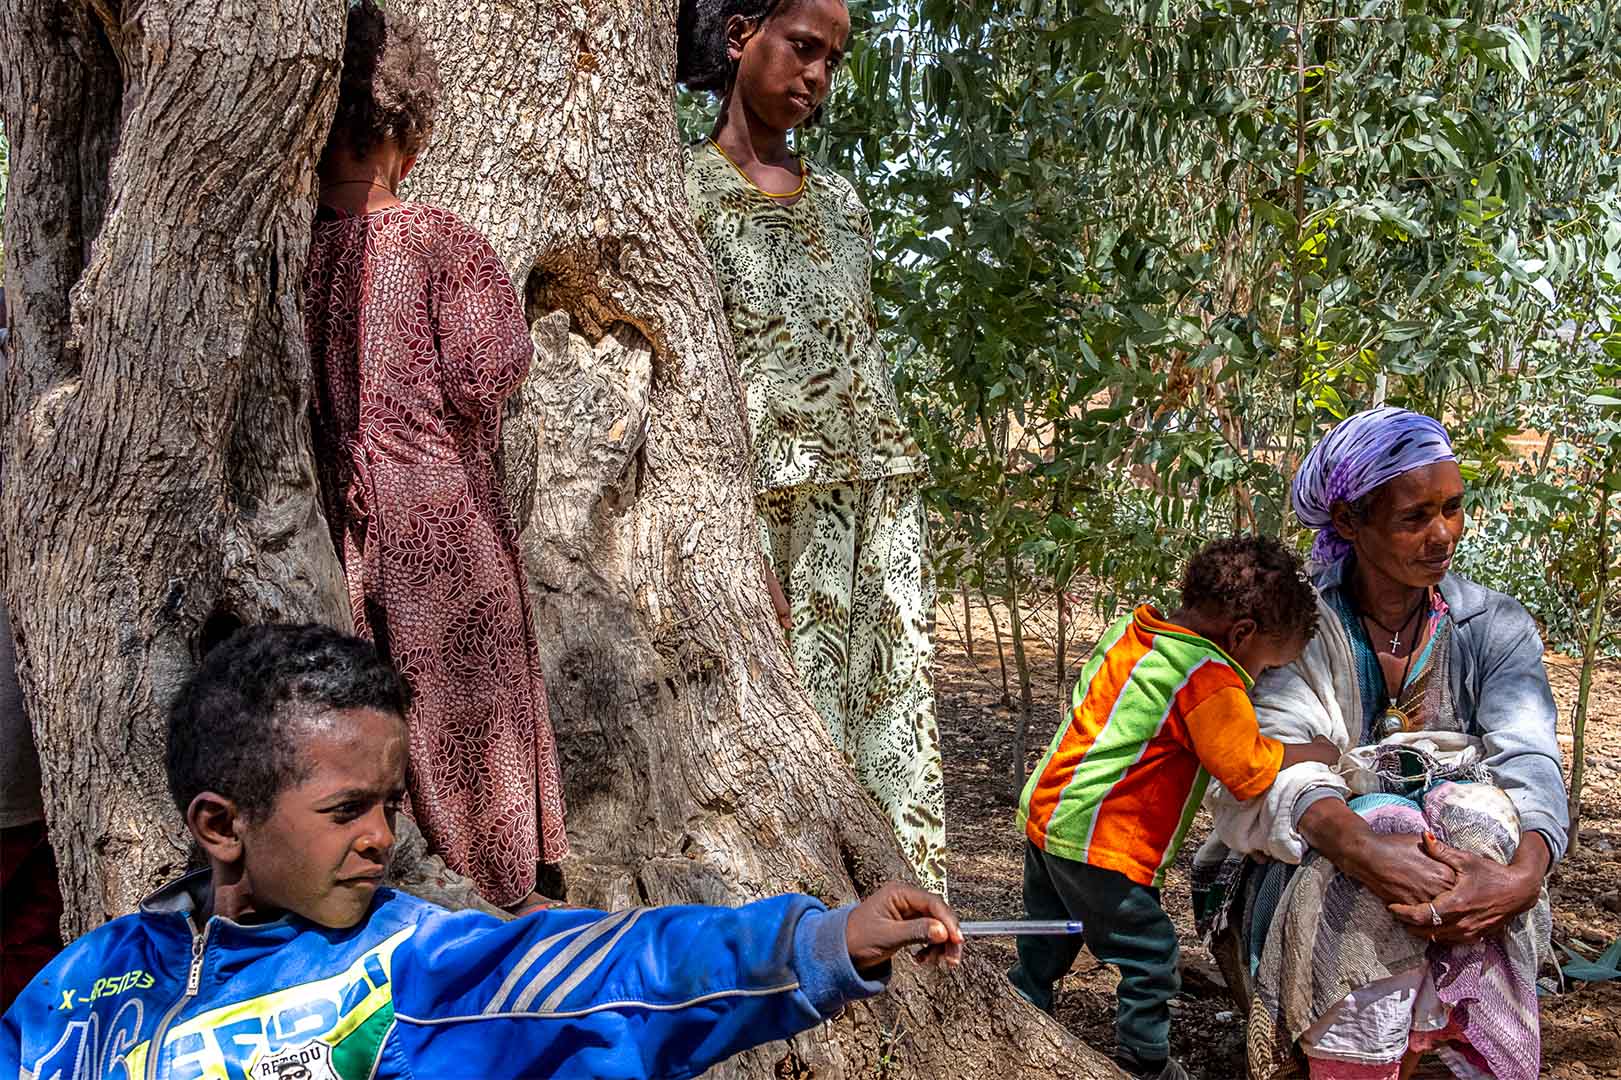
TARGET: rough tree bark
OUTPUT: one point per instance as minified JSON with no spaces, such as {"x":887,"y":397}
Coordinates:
{"x":696,"y":769}
{"x":156,"y":491}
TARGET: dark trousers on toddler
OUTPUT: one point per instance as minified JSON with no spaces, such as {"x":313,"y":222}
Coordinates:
{"x":1123,"y":925}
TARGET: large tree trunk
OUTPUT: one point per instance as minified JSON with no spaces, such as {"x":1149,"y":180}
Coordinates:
{"x":157,"y":489}
{"x":696,"y":768}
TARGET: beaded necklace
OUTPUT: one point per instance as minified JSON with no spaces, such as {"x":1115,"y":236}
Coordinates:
{"x":804,"y":175}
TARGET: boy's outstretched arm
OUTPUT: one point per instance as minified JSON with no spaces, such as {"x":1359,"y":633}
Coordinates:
{"x":652,"y":992}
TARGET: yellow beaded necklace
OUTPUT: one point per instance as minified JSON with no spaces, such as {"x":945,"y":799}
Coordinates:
{"x":804,"y":175}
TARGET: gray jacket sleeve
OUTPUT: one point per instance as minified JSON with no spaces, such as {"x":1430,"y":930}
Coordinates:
{"x":1516,"y":718}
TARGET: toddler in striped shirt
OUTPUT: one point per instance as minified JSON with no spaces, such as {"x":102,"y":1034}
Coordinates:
{"x":1161,"y":706}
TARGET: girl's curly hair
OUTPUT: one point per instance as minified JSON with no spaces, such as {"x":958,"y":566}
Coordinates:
{"x":390,"y":86}
{"x":701,"y":62}
{"x":1254,"y":577}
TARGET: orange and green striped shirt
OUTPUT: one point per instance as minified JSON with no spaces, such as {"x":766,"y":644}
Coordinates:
{"x":1157,"y":711}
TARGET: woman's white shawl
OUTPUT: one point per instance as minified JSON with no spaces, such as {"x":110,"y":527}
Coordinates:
{"x":1316,"y":695}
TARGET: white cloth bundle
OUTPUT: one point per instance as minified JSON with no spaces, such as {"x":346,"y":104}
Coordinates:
{"x":1449,"y":753}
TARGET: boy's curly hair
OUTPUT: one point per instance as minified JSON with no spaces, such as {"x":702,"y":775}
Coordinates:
{"x":1253,"y":577}
{"x":390,"y":86}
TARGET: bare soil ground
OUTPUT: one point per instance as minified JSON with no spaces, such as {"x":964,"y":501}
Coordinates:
{"x":1581,"y":1031}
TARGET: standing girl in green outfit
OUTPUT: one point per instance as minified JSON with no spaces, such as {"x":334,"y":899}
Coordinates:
{"x":840,"y":478}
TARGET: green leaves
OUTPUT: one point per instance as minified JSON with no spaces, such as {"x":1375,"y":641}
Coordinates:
{"x":1132,"y":257}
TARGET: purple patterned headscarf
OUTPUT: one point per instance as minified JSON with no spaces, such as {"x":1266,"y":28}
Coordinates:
{"x":1361,"y":453}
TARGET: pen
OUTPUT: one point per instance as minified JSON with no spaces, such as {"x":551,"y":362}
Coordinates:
{"x":995,"y":927}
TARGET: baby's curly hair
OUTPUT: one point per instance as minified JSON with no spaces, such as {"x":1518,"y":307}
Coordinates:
{"x":390,"y":87}
{"x":1253,"y":577}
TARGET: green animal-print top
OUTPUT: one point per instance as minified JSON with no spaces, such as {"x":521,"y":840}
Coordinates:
{"x":795,"y":282}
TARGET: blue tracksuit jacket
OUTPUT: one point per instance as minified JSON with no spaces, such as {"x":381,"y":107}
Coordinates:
{"x":417,"y":991}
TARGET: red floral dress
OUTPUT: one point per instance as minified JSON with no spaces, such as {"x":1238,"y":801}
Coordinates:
{"x":417,"y":337}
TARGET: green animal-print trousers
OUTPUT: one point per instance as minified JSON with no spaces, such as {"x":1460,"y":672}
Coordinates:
{"x":853,"y":562}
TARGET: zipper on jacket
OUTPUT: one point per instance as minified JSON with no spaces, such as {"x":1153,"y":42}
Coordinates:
{"x":194,"y":978}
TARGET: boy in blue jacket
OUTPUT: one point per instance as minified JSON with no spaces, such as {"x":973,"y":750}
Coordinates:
{"x":286,"y":959}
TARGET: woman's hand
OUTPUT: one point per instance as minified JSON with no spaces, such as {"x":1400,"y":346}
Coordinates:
{"x":1393,"y":866}
{"x":898,"y":916}
{"x":1485,"y":896}
{"x":1396,"y":869}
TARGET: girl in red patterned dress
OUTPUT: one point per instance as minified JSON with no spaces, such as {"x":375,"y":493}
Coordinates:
{"x":417,"y":337}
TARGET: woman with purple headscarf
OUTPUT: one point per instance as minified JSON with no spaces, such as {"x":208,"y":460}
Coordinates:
{"x":1394,"y":905}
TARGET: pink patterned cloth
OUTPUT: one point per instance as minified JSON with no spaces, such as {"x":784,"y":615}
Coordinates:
{"x":1476,"y":1006}
{"x":417,"y":337}
{"x":1328,"y":1069}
